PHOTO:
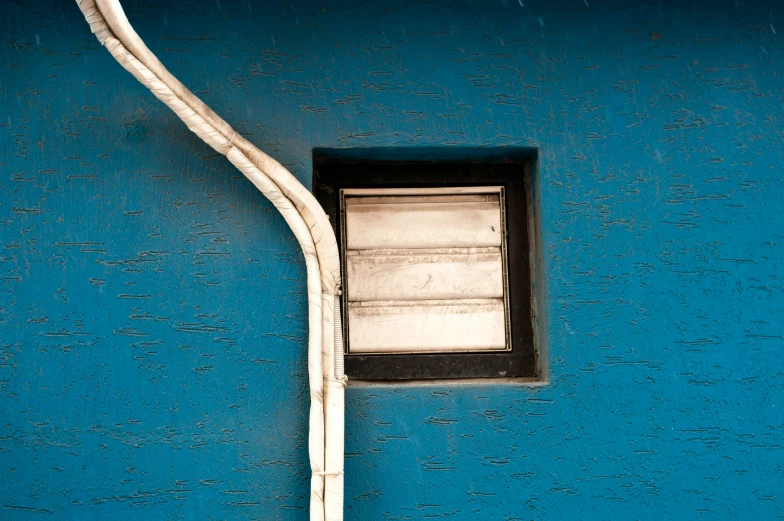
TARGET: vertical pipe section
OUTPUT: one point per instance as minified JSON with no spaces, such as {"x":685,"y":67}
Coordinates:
{"x":335,"y":420}
{"x":333,"y":415}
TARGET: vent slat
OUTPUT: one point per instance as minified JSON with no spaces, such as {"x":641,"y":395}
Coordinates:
{"x":423,"y":225}
{"x":412,"y":275}
{"x":425,"y":326}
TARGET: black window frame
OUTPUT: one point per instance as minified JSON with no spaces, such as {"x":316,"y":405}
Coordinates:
{"x":335,"y":169}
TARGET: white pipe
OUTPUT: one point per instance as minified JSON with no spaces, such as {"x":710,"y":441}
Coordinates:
{"x":311,"y":211}
{"x":334,"y":390}
{"x":305,"y":218}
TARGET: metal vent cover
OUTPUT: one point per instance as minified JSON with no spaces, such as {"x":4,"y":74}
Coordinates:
{"x":425,"y":270}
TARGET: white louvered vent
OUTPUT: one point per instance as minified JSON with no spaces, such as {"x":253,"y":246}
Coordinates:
{"x":425,"y":270}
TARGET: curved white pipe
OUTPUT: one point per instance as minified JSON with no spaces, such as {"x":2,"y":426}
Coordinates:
{"x":307,"y":221}
{"x":311,"y":211}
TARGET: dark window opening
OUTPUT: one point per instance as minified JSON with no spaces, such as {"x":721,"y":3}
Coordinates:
{"x":335,"y":170}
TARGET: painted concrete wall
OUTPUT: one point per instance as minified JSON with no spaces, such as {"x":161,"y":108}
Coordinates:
{"x":152,"y":358}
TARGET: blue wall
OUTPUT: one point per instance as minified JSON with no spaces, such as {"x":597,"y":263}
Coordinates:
{"x":152,"y":304}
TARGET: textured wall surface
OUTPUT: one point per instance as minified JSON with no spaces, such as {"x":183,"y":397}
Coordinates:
{"x":152,"y":358}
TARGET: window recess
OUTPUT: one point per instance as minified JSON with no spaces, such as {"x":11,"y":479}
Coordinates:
{"x":435,"y":259}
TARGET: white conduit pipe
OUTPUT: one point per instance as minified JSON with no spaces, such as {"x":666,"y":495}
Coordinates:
{"x":307,"y":221}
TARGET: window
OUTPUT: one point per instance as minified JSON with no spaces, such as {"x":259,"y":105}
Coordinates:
{"x":435,"y":256}
{"x":425,"y":270}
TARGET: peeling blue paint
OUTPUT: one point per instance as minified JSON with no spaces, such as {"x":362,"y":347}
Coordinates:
{"x":152,"y":362}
